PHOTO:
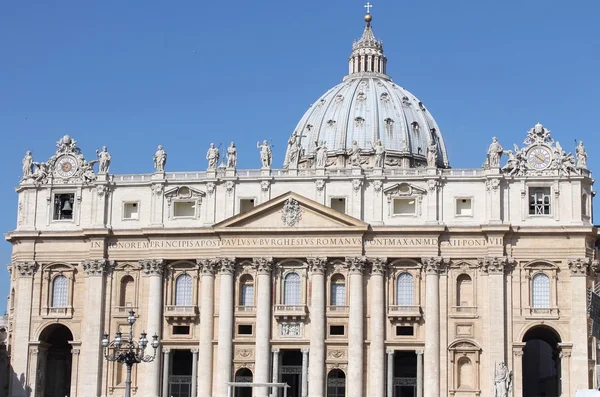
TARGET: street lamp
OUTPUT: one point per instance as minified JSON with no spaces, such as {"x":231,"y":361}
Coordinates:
{"x":129,"y":351}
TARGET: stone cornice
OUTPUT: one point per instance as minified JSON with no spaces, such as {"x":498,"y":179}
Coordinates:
{"x":25,"y":269}
{"x":356,"y":264}
{"x":153,"y":267}
{"x":317,"y":265}
{"x":263,"y":265}
{"x":579,"y":266}
{"x":378,"y":265}
{"x":94,"y":267}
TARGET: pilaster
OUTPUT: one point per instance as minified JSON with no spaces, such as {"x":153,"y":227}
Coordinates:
{"x":579,"y":268}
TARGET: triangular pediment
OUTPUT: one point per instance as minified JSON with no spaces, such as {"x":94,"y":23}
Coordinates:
{"x":291,"y":211}
{"x":403,"y":189}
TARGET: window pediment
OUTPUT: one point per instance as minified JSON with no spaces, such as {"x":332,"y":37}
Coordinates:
{"x":403,"y":190}
{"x":539,"y":265}
{"x":464,"y":345}
{"x":184,"y":192}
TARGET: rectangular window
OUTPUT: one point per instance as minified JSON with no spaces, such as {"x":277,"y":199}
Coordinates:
{"x":336,"y":330}
{"x":464,"y":207}
{"x":247,"y":295}
{"x":181,"y":330}
{"x":403,"y":330}
{"x":405,"y":206}
{"x":184,"y":209}
{"x":338,"y":294}
{"x":539,"y":201}
{"x":244,"y":329}
{"x":246,"y":205}
{"x":338,"y":204}
{"x":63,"y":206}
{"x":130,"y":211}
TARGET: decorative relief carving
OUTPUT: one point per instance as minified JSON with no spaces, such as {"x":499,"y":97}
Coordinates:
{"x":157,"y":189}
{"x":102,"y":190}
{"x":226,"y":265}
{"x":317,"y":265}
{"x":494,"y":265}
{"x":291,"y":212}
{"x":377,"y":186}
{"x":208,"y":267}
{"x":378,"y":265}
{"x":433,"y":265}
{"x":229,"y":185}
{"x":265,"y":185}
{"x":579,"y":266}
{"x":433,"y":185}
{"x":562,"y":353}
{"x":290,"y":330}
{"x":356,"y":184}
{"x":210,"y":188}
{"x":152,"y":267}
{"x":356,"y":264}
{"x":244,"y":353}
{"x":26,"y":269}
{"x":94,"y":267}
{"x":320,"y":184}
{"x":336,"y":354}
{"x":263,"y":265}
{"x":492,"y":184}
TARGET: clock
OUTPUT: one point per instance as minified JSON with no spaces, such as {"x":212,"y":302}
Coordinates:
{"x":539,"y":157}
{"x":66,"y":166}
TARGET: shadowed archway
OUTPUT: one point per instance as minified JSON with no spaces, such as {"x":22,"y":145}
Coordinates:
{"x":53,"y":374}
{"x":541,"y":362}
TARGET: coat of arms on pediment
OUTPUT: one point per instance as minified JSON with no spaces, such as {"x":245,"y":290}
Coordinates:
{"x":291,"y":212}
{"x":183,"y":192}
{"x":403,"y":189}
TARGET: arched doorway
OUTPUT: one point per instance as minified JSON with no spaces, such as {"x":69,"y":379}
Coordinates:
{"x":53,"y":375}
{"x":243,"y":375}
{"x":336,"y":383}
{"x":541,"y":362}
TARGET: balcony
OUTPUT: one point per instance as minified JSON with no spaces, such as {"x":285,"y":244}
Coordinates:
{"x":463,"y":311}
{"x":123,"y":311}
{"x":290,"y":312}
{"x":337,"y":311}
{"x":399,"y":313}
{"x":57,"y":312}
{"x":245,"y":311}
{"x":545,"y":313}
{"x":181,"y":313}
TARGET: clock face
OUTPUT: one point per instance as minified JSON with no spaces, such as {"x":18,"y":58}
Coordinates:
{"x":66,"y":166}
{"x":539,"y":158}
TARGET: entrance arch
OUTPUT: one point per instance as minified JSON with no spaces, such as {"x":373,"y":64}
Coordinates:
{"x":243,"y":375}
{"x":336,"y":383}
{"x":541,"y":362}
{"x":53,"y":374}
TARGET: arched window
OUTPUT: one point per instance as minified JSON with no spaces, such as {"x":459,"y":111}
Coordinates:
{"x":464,"y":290}
{"x":247,"y":291}
{"x":540,"y":294}
{"x":336,"y":383}
{"x":338,"y":290}
{"x":291,"y":289}
{"x":405,"y":290}
{"x":183,"y":290}
{"x":127,"y":295}
{"x":60,"y":290}
{"x":465,"y":373}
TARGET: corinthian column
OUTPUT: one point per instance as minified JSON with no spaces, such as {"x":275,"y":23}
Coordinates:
{"x":432,"y":326}
{"x":263,"y":323}
{"x":377,"y":327}
{"x":153,"y":270}
{"x":579,"y":268}
{"x":90,"y":374}
{"x":20,"y":348}
{"x":207,"y":304}
{"x":316,"y":353}
{"x":356,"y":337}
{"x":225,"y":346}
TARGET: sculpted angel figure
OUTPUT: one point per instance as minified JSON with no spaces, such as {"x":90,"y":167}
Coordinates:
{"x":581,"y":156}
{"x":160,"y":159}
{"x":432,"y":154}
{"x":494,"y":153}
{"x":41,"y":172}
{"x":87,"y":170}
{"x":212,"y":155}
{"x":512,"y":165}
{"x":27,"y":165}
{"x":266,"y":155}
{"x":354,"y":154}
{"x":104,"y":158}
{"x":379,"y":154}
{"x":231,"y":156}
{"x":502,"y":381}
{"x":320,"y":154}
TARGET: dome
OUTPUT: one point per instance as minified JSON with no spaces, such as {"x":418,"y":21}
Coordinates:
{"x":367,"y":107}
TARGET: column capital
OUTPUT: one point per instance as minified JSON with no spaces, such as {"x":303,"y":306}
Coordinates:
{"x":517,"y":349}
{"x":275,"y":350}
{"x":304,"y":350}
{"x":166,"y":351}
{"x":419,"y":352}
{"x":152,"y":267}
{"x":94,"y":267}
{"x":75,"y":352}
{"x":356,"y":264}
{"x":579,"y":266}
{"x":263,"y":265}
{"x":432,"y":265}
{"x":226,"y":265}
{"x":378,"y":265}
{"x":25,"y":269}
{"x":317,"y":265}
{"x":194,"y":351}
{"x":390,"y":351}
{"x":208,"y":267}
{"x":494,"y":265}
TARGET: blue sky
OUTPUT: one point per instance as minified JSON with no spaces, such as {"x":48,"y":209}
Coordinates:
{"x":132,"y":75}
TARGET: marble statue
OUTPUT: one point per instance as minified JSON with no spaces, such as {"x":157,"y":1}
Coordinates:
{"x":494,"y":153}
{"x":293,"y":152}
{"x":513,"y":165}
{"x":66,"y":144}
{"x":266,"y":155}
{"x":87,"y":171}
{"x":231,"y":156}
{"x":432,"y":150}
{"x":212,"y":155}
{"x":581,"y":156}
{"x":354,"y":154}
{"x":320,"y":154}
{"x":104,"y":158}
{"x":160,"y":159}
{"x":27,"y":165}
{"x":379,"y":154}
{"x":41,"y":172}
{"x":502,"y":380}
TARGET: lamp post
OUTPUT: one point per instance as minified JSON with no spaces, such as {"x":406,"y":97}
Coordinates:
{"x":129,"y":351}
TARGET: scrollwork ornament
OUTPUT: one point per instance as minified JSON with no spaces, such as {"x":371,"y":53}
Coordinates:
{"x":153,"y":267}
{"x":263,"y":265}
{"x":433,"y":185}
{"x":26,"y":269}
{"x":378,"y":265}
{"x":579,"y":266}
{"x":432,"y":265}
{"x":356,"y":184}
{"x":492,"y":184}
{"x":226,"y":265}
{"x":229,"y":185}
{"x":208,"y":267}
{"x":320,"y":184}
{"x":356,"y":264}
{"x":377,"y":186}
{"x":291,"y":213}
{"x":564,"y":354}
{"x":94,"y":267}
{"x":157,"y":189}
{"x":265,"y":185}
{"x":317,"y":265}
{"x":210,"y":188}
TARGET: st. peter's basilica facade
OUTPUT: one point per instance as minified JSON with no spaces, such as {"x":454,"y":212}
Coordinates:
{"x":366,"y":266}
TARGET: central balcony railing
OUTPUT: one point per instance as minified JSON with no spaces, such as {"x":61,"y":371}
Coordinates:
{"x":404,"y":312}
{"x":290,"y":311}
{"x":463,"y":311}
{"x":181,"y":312}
